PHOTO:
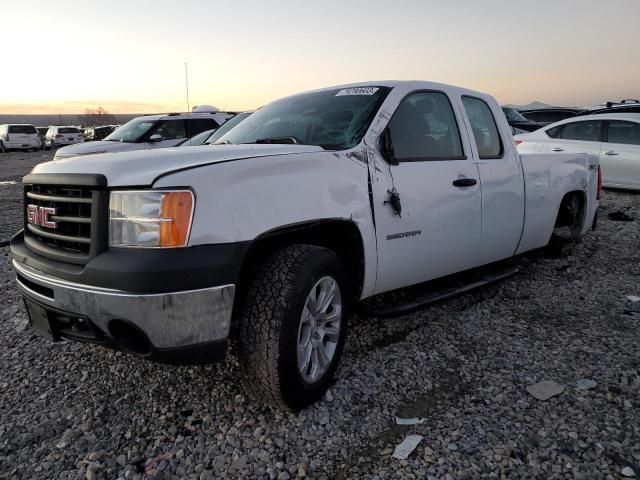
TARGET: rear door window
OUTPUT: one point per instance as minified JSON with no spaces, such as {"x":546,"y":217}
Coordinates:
{"x":623,"y":132}
{"x":30,"y":129}
{"x":483,"y":125}
{"x":587,"y":131}
{"x":199,"y":125}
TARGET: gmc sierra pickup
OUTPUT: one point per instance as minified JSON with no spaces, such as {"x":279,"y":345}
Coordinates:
{"x":271,"y":236}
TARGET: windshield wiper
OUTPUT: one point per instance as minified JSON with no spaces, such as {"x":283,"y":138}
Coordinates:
{"x":285,"y":140}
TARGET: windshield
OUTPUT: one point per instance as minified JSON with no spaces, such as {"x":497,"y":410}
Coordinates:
{"x":513,"y":115}
{"x":68,"y":130}
{"x":228,"y":125}
{"x":131,"y":131}
{"x":333,"y":119}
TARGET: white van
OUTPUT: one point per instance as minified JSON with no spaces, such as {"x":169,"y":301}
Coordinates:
{"x":19,"y":137}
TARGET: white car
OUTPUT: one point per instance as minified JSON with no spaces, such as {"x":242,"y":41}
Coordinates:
{"x":150,"y":131}
{"x":19,"y":137}
{"x":270,"y":236}
{"x":614,"y":137}
{"x":59,"y":136}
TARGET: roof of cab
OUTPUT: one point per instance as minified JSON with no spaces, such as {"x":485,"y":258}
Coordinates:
{"x":406,"y":84}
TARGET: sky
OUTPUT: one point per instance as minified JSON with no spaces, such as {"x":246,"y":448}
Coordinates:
{"x":128,"y":56}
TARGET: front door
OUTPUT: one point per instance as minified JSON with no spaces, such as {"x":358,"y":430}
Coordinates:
{"x":437,"y":231}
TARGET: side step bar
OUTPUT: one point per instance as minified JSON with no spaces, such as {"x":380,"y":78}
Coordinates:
{"x":451,"y":288}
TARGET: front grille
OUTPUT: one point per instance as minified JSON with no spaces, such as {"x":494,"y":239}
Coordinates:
{"x":76,"y":217}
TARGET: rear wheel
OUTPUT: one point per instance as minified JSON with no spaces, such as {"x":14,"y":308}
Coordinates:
{"x":568,"y":225}
{"x":292,"y":326}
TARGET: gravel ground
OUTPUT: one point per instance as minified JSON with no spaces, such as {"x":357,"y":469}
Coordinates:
{"x":78,"y":411}
{"x":13,"y":166}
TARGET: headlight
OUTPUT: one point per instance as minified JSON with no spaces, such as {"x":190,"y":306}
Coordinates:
{"x":152,"y":218}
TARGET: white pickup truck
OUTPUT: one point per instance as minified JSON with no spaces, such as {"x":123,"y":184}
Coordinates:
{"x":271,"y":236}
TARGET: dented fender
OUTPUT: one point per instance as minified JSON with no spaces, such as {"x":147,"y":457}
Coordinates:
{"x":239,"y":201}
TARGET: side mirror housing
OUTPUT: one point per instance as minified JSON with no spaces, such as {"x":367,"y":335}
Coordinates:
{"x":156,"y":137}
{"x":386,"y":147}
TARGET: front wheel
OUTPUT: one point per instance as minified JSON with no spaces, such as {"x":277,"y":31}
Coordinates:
{"x":292,"y":326}
{"x":3,"y":149}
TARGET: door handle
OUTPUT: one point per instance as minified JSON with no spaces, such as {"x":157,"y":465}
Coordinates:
{"x":557,"y":149}
{"x":464,"y":182}
{"x":610,"y":152}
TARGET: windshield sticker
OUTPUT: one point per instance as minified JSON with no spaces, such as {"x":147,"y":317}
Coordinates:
{"x":357,"y":91}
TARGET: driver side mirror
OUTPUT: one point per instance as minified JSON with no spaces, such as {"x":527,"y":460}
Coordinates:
{"x":156,"y":137}
{"x":386,"y":147}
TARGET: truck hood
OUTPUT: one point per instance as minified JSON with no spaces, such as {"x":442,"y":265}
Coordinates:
{"x":95,"y":147}
{"x":142,"y":167}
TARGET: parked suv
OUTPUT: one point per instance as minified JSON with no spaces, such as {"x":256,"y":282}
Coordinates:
{"x":150,"y":131}
{"x":18,"y":137}
{"x":59,"y":136}
{"x":92,"y":134}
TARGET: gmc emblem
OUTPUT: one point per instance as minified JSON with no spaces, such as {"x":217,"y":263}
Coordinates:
{"x":41,"y":216}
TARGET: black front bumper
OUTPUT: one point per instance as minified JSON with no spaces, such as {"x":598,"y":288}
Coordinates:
{"x":144,"y":270}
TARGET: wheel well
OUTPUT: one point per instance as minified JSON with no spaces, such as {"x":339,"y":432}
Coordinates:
{"x":341,"y":236}
{"x":572,"y":210}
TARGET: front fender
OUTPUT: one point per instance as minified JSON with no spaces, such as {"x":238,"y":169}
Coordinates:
{"x":239,"y":201}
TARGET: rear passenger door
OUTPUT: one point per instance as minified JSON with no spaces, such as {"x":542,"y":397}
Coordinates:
{"x":620,"y":155}
{"x":437,"y":231}
{"x":576,"y":137}
{"x":501,"y":179}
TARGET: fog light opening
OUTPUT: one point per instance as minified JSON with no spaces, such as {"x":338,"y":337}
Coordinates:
{"x":130,"y":338}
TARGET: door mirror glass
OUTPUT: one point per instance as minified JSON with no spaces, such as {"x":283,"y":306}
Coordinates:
{"x":156,"y":137}
{"x":386,"y":147}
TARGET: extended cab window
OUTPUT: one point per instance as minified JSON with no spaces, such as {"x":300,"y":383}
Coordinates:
{"x":424,"y":127}
{"x":483,"y":125}
{"x":623,"y":132}
{"x":588,"y":131}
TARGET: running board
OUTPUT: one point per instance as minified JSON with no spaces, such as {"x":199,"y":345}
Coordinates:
{"x":438,"y":295}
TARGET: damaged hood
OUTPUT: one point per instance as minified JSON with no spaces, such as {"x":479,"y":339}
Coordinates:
{"x":142,"y":167}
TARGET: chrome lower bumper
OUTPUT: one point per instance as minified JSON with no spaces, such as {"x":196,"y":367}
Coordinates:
{"x":169,"y":320}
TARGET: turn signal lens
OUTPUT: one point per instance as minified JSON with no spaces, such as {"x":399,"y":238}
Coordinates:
{"x":176,"y":206}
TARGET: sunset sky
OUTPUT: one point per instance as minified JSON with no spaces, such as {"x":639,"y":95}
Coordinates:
{"x":128,"y":56}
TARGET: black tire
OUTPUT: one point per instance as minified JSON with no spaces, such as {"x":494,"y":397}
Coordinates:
{"x":2,"y":148}
{"x":269,"y":321}
{"x":566,"y":232}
